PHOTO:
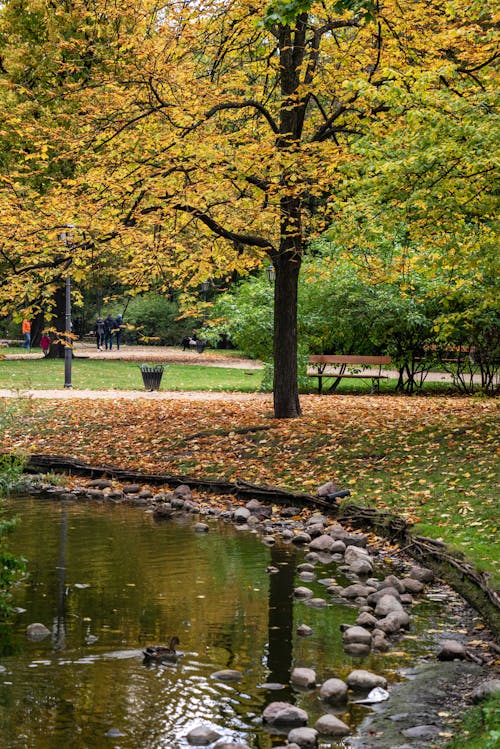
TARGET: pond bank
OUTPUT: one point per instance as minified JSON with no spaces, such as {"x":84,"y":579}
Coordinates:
{"x":434,"y":687}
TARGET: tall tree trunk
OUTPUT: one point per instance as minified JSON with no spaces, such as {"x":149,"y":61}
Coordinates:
{"x":285,"y":388}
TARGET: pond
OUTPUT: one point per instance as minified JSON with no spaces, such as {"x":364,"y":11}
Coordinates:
{"x":109,"y":581}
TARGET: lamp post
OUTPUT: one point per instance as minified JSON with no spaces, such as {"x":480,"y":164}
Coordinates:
{"x":67,"y":239}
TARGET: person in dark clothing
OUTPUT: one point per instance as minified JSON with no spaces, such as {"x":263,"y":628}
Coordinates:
{"x":118,"y":331}
{"x":109,"y":329}
{"x":99,"y":332}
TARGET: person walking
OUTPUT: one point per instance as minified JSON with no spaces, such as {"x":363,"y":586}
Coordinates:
{"x":109,"y":329}
{"x":45,"y":344}
{"x":99,"y":333}
{"x":119,"y":328}
{"x":26,"y":329}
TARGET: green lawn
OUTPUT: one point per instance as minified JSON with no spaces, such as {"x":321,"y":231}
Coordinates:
{"x":92,"y":374}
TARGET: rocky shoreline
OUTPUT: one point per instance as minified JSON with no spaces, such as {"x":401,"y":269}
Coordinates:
{"x":415,"y":713}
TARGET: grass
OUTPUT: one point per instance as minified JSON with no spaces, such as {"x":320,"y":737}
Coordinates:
{"x":480,"y":727}
{"x":92,"y":374}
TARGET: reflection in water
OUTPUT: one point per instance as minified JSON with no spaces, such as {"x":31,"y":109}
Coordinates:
{"x":113,"y":582}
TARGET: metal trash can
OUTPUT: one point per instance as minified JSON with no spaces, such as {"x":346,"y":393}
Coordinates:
{"x":151,"y":375}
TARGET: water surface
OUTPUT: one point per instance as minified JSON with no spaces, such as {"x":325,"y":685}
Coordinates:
{"x":108,"y":581}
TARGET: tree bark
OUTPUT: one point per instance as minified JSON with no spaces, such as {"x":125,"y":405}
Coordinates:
{"x":285,"y":387}
{"x":57,"y":349}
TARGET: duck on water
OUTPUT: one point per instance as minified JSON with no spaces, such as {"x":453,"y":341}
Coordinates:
{"x":162,"y":652}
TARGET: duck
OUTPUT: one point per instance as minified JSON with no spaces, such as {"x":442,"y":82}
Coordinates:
{"x":162,"y":652}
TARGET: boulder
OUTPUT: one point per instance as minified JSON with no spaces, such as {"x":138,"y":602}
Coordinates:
{"x":451,"y":650}
{"x":202,"y":736}
{"x":412,"y":586}
{"x":423,"y":574}
{"x":302,"y":592}
{"x":356,"y":590}
{"x":333,"y":691}
{"x":37,"y":631}
{"x":321,"y":543}
{"x":387,"y":605}
{"x":241,"y":515}
{"x":301,"y":538}
{"x":284,"y":714}
{"x":359,"y":679}
{"x":303,"y":677}
{"x":487,"y":689}
{"x":357,"y":634}
{"x":329,"y":725}
{"x":391,"y":581}
{"x":183,"y":491}
{"x":325,"y":489}
{"x":366,"y":619}
{"x":304,"y":630}
{"x":306,"y":738}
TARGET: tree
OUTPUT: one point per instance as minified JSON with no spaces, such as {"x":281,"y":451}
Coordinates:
{"x":229,"y":129}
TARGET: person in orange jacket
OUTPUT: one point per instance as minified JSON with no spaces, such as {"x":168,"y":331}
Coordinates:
{"x":26,"y":329}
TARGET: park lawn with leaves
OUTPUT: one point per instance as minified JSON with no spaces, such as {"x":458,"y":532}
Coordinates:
{"x":91,"y":374}
{"x":431,"y":460}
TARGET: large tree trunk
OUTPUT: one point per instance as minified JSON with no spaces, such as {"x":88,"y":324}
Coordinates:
{"x":285,"y":389}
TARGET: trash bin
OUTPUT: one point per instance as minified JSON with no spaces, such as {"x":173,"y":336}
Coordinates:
{"x":151,"y":375}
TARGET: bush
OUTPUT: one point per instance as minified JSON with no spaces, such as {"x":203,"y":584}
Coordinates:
{"x":155,"y":319}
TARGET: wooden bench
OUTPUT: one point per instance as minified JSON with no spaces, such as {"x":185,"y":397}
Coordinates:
{"x":343,"y":366}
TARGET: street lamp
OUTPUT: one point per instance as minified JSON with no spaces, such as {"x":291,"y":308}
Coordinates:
{"x":66,"y":238}
{"x":271,"y":273}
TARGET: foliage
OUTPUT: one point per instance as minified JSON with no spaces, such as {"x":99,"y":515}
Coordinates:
{"x":479,"y":727}
{"x":235,"y":132}
{"x":155,"y":317}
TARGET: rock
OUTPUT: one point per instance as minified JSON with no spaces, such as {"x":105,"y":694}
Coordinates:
{"x":201,"y":528}
{"x":183,"y":491}
{"x":359,"y":679}
{"x":421,"y":732}
{"x":315,"y":530}
{"x":423,"y":574}
{"x":131,"y":488}
{"x":336,"y":531}
{"x":145,"y":494}
{"x":362,"y":567}
{"x":357,"y":649}
{"x":356,"y":590}
{"x":289,"y":512}
{"x":333,"y":691}
{"x":114,"y":733}
{"x":308,"y":577}
{"x":301,"y":538}
{"x":391,"y":581}
{"x":387,"y":605}
{"x":450,"y":650}
{"x":373,"y":598}
{"x":357,"y":634}
{"x":268,"y":540}
{"x":306,"y":738}
{"x":393,"y":622}
{"x":37,"y":631}
{"x":231,"y":745}
{"x":325,"y":489}
{"x":366,"y":620}
{"x":284,"y":714}
{"x":227,"y":674}
{"x":380,"y":643}
{"x":412,"y":586}
{"x":487,"y":689}
{"x":355,"y":539}
{"x":241,"y":515}
{"x":329,"y":725}
{"x":355,"y":554}
{"x":306,"y":567}
{"x":303,"y":677}
{"x":202,"y":735}
{"x":321,"y":543}
{"x":318,"y":603}
{"x":304,"y":630}
{"x":302,"y":592}
{"x":338,"y":547}
{"x":101,"y":483}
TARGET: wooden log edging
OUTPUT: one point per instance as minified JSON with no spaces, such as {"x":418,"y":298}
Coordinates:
{"x":472,"y":584}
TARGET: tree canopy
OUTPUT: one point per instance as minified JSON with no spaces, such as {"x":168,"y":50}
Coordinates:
{"x":195,"y":140}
